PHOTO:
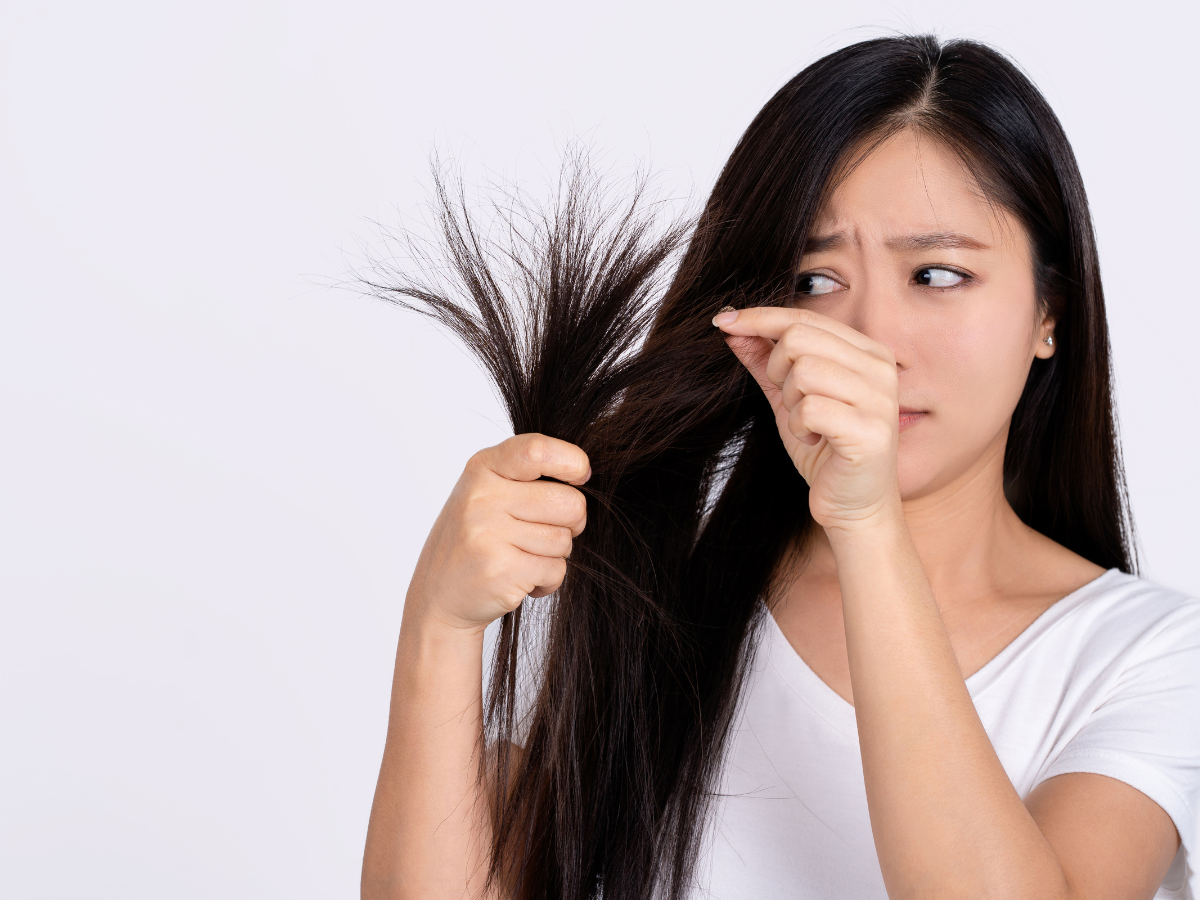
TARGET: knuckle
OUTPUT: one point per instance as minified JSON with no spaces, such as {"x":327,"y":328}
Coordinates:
{"x":879,"y":433}
{"x":540,"y":449}
{"x":476,"y":464}
{"x":551,"y":537}
{"x":526,"y":449}
{"x":807,"y":367}
{"x":477,"y":501}
{"x":494,"y":567}
{"x":474,"y":536}
{"x":565,"y":502}
{"x":510,"y":601}
{"x":565,"y":544}
{"x":577,"y":505}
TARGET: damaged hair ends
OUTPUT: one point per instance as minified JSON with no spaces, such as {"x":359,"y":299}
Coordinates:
{"x":593,"y":320}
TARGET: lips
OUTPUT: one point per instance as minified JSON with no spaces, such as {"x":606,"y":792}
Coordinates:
{"x":910,"y":417}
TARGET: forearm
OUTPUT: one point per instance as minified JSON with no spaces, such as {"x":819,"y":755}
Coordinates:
{"x":428,"y":834}
{"x":946,"y":819}
{"x":503,"y":535}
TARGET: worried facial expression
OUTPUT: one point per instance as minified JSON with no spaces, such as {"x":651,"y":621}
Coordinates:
{"x":909,"y":252}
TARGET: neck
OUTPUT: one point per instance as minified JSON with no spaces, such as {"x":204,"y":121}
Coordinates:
{"x":967,"y":536}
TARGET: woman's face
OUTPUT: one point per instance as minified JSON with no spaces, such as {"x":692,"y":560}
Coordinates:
{"x":909,"y":252}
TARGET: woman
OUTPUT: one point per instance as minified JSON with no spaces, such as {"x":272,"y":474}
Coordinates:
{"x":851,"y":616}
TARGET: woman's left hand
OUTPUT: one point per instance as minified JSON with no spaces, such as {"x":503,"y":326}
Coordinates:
{"x":834,"y":393}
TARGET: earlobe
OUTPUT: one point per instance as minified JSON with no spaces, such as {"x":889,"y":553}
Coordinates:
{"x":1046,"y":343}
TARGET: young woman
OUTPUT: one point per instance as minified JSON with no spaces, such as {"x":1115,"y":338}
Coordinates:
{"x":853,"y":613}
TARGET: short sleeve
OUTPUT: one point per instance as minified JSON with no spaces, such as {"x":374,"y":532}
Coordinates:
{"x":1146,"y":733}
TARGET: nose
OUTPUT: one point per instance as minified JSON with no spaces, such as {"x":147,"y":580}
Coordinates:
{"x":875,"y":307}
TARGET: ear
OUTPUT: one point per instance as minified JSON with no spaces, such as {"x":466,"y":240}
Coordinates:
{"x":1046,"y":343}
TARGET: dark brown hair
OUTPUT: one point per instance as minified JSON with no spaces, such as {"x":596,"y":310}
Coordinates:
{"x":694,"y":504}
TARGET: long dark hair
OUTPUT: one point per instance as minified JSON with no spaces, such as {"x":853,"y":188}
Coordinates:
{"x":694,"y":509}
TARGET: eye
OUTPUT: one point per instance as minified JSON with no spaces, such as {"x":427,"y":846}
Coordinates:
{"x":933,"y":276}
{"x":816,"y":284}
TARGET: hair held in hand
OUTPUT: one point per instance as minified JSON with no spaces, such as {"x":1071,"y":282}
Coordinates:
{"x":592,"y":316}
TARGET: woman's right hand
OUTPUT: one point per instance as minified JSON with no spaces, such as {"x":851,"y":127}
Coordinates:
{"x":503,"y":534}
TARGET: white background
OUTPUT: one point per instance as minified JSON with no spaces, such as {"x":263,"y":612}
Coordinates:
{"x":215,"y":474}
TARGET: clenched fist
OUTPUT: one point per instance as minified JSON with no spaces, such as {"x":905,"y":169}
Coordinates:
{"x":503,"y":535}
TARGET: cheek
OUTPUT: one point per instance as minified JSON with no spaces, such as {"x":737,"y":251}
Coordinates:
{"x":970,"y":369}
{"x":979,"y":368}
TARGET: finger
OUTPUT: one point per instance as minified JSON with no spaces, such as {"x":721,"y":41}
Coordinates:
{"x":815,"y":415}
{"x":772,"y":321}
{"x":527,"y":457}
{"x":801,"y":340}
{"x":754,"y":353}
{"x":845,"y":427}
{"x":817,"y":375}
{"x":551,"y":541}
{"x":547,"y":575}
{"x":546,"y":503}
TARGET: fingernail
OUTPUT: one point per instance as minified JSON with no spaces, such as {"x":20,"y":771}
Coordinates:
{"x":726,"y":315}
{"x":587,"y":476}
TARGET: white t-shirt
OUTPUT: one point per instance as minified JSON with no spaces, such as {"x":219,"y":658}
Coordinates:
{"x":1106,"y":681}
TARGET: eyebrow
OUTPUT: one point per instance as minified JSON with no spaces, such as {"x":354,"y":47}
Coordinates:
{"x":939,"y":240}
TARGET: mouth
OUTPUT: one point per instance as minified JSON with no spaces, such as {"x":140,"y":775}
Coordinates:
{"x":910,"y":417}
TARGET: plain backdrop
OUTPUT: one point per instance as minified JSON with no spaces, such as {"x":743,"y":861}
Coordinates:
{"x":216,"y":473}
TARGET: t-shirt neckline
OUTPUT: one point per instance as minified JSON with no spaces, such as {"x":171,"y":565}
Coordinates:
{"x":835,"y":709}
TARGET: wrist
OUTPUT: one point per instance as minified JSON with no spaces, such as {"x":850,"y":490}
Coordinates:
{"x":423,"y":628}
{"x":435,"y":660}
{"x":874,"y":555}
{"x":885,"y":520}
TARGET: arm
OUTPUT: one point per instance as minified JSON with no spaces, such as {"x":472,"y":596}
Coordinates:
{"x":428,"y":834}
{"x":946,"y":820}
{"x":502,"y":535}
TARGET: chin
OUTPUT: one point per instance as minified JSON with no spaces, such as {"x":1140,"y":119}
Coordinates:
{"x":918,"y":475}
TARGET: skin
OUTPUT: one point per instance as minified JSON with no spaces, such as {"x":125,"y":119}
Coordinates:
{"x":893,"y":383}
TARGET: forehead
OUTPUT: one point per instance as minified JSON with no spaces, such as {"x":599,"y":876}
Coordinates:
{"x":911,"y":183}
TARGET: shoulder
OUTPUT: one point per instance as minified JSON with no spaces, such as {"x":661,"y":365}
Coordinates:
{"x":1124,"y":622}
{"x":1129,"y":701}
{"x":1101,"y":640}
{"x":1133,"y":601}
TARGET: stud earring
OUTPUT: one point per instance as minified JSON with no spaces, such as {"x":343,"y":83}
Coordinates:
{"x":1050,"y":340}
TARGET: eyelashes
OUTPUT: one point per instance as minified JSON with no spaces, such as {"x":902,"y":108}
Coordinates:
{"x":940,"y":277}
{"x":816,"y":284}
